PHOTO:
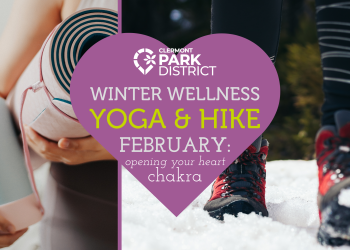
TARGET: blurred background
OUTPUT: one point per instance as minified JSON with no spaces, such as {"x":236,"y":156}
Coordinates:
{"x":291,"y":134}
{"x":5,"y":8}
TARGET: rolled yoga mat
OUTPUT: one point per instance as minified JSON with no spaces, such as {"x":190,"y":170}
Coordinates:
{"x":18,"y":200}
{"x":41,"y":99}
{"x":60,"y":54}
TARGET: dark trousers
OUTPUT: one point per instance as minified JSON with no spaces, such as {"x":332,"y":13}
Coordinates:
{"x":81,"y":207}
{"x":259,"y":21}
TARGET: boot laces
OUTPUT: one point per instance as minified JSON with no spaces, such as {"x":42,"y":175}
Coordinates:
{"x":339,"y":159}
{"x":241,"y":174}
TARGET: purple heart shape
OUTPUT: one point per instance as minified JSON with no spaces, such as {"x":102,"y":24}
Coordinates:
{"x":228,"y":67}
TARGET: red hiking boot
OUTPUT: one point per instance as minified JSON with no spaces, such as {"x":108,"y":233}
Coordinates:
{"x":241,"y":187}
{"x":333,"y":160}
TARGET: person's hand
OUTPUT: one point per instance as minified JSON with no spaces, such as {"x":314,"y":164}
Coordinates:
{"x":68,"y":151}
{"x":8,"y":234}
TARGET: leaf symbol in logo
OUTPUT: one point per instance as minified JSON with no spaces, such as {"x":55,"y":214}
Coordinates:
{"x":149,"y":60}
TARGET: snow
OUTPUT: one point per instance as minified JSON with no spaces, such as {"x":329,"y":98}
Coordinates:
{"x":147,"y":224}
{"x":344,"y":197}
{"x":291,"y":200}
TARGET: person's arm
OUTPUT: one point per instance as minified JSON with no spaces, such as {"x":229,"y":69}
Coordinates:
{"x":8,"y":234}
{"x":68,"y":151}
{"x":29,"y":24}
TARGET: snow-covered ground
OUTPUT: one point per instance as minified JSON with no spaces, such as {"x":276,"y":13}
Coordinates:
{"x":147,"y":224}
{"x":291,"y":200}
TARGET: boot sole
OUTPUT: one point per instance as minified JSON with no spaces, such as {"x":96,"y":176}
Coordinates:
{"x":335,"y":224}
{"x":232,"y":208}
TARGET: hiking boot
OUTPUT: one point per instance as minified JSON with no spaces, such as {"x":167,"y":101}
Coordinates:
{"x":240,"y":188}
{"x":333,"y":160}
